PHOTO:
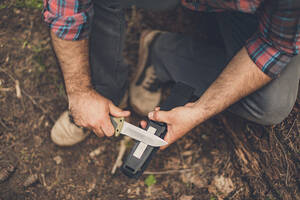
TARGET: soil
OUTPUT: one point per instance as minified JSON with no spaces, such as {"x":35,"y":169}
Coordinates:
{"x":202,"y":165}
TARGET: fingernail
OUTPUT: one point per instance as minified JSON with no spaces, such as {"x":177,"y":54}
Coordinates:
{"x":150,"y":115}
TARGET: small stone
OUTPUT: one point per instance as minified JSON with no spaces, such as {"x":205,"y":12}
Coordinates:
{"x":57,"y":159}
{"x":37,"y":141}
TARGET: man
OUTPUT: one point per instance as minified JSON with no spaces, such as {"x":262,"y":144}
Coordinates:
{"x":254,"y":71}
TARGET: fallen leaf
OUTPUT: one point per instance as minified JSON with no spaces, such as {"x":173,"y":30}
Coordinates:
{"x":186,"y":197}
{"x":57,"y":159}
{"x":221,"y":187}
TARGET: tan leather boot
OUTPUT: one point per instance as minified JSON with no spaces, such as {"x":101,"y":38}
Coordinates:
{"x":145,"y":90}
{"x":66,"y":133}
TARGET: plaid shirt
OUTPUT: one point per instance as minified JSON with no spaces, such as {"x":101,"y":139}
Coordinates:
{"x":271,"y":48}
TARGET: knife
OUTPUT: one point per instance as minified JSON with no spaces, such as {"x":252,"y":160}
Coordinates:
{"x":125,"y":128}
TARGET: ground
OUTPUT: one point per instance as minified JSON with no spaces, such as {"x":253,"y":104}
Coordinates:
{"x":208,"y":163}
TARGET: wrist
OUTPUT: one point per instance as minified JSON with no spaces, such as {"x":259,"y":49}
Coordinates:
{"x":198,"y":114}
{"x":78,"y":87}
{"x":77,"y":91}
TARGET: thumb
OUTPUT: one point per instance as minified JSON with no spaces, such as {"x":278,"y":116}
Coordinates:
{"x":160,"y":116}
{"x":117,"y":112}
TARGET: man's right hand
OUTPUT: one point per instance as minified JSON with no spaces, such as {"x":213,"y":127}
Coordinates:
{"x":91,"y":110}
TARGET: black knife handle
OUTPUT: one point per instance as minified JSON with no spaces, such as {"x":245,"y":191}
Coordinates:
{"x":134,"y":167}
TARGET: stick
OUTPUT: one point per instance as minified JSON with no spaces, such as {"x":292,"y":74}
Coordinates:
{"x":6,"y":89}
{"x":4,"y":125}
{"x":122,"y":150}
{"x":292,"y":126}
{"x":18,"y":89}
{"x":286,"y":159}
{"x":172,"y":171}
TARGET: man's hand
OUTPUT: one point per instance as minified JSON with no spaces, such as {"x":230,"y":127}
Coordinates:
{"x":91,"y":110}
{"x":179,"y":120}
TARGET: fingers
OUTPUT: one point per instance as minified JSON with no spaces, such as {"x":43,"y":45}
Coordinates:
{"x":102,"y":126}
{"x":160,"y":116}
{"x":117,"y":112}
{"x":98,"y":131}
{"x":107,"y":126}
{"x":168,"y":140}
{"x":143,"y":124}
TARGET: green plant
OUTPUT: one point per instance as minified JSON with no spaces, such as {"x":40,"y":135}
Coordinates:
{"x":150,"y":180}
{"x":213,"y":198}
{"x":36,"y":4}
{"x":2,"y":6}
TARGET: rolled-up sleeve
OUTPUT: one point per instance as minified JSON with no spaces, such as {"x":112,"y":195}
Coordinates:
{"x":278,"y":37}
{"x":69,"y":19}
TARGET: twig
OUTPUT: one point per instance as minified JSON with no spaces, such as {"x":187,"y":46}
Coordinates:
{"x":179,"y":153}
{"x":18,"y":89}
{"x":4,"y":125}
{"x":43,"y":180}
{"x":6,"y":89}
{"x":286,"y":159}
{"x":172,"y":171}
{"x":122,"y":150}
{"x":30,"y":97}
{"x":236,"y":193}
{"x":292,"y":126}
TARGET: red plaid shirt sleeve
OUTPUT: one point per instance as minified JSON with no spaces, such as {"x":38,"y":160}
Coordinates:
{"x":69,"y":19}
{"x":277,"y":39}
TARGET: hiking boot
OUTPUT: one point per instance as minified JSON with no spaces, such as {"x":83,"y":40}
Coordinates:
{"x":145,"y":90}
{"x":66,"y":133}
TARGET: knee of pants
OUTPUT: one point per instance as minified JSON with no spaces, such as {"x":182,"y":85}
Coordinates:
{"x":273,"y":114}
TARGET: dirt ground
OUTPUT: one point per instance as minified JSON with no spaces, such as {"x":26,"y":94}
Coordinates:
{"x":205,"y":164}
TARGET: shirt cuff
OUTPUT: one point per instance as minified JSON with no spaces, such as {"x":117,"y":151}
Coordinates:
{"x":70,"y":27}
{"x":269,"y":59}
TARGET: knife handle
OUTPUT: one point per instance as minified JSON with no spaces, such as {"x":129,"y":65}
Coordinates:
{"x":117,"y":122}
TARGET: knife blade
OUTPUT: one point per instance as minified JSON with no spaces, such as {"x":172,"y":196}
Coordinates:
{"x":125,"y":128}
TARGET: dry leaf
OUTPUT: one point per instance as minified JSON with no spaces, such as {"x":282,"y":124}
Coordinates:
{"x":32,"y":179}
{"x":57,"y":159}
{"x":221,"y":186}
{"x":186,"y":197}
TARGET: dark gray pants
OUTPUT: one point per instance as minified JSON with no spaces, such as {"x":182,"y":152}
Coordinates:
{"x":190,"y":59}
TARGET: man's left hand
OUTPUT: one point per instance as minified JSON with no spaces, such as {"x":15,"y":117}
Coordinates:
{"x":179,"y":120}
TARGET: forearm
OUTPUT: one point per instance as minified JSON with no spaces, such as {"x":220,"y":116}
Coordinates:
{"x":74,"y":62}
{"x":240,"y":78}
